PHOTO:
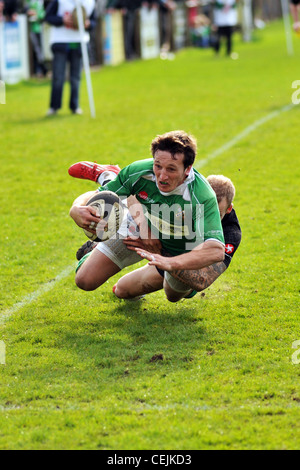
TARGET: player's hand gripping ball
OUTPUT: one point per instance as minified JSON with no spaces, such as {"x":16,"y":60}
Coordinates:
{"x":110,"y":209}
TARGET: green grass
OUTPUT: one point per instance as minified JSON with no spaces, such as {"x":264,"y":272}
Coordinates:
{"x":78,"y":372}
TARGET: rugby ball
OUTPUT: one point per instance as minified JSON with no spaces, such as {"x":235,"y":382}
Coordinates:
{"x":109,"y":208}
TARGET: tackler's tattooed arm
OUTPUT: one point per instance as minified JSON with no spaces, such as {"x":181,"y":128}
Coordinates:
{"x":202,"y":278}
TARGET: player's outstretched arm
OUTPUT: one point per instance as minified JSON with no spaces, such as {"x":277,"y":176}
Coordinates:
{"x":206,"y":254}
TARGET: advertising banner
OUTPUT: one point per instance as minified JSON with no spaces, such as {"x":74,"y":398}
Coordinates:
{"x":14,"y":58}
{"x":113,"y":38}
{"x":149,"y":33}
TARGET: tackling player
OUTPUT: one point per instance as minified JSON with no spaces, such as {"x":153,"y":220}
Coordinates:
{"x":295,"y":12}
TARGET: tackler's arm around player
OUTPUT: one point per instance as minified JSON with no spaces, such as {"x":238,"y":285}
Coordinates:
{"x":206,"y":254}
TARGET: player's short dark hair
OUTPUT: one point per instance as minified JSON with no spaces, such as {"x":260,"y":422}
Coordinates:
{"x":176,"y":142}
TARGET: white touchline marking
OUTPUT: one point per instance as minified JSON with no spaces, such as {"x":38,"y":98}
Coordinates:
{"x":243,"y":134}
{"x":28,"y":299}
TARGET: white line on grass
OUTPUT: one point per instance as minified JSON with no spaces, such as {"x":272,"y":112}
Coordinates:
{"x":28,"y":299}
{"x":243,"y":134}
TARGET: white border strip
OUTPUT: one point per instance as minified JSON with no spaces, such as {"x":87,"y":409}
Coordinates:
{"x":28,"y":299}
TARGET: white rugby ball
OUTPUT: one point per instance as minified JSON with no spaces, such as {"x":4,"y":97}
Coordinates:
{"x":109,"y":208}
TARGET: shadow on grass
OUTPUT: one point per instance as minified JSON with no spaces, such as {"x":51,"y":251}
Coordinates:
{"x":130,"y":340}
{"x":37,"y":83}
{"x":171,"y":331}
{"x":43,"y":119}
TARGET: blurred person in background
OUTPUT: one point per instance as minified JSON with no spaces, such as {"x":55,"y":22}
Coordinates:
{"x":65,"y":45}
{"x":166,"y":7}
{"x":9,"y":10}
{"x":201,"y":31}
{"x":295,"y":12}
{"x":130,"y":10}
{"x":36,"y":14}
{"x":94,"y":46}
{"x":225,"y":19}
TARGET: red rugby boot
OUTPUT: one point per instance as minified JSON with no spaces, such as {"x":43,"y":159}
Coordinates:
{"x":91,"y":171}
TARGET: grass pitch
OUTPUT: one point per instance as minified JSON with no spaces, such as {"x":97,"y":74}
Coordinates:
{"x":79,"y":371}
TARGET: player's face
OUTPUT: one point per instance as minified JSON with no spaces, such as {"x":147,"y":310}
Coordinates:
{"x":169,"y":170}
{"x":223,"y":207}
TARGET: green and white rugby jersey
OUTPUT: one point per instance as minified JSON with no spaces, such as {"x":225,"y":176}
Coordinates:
{"x":181,"y":219}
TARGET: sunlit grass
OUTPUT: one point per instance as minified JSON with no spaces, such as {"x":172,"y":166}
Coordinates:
{"x":79,"y":372}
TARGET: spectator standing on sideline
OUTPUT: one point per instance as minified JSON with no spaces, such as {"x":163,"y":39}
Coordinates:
{"x":94,"y":49}
{"x":166,"y":7}
{"x":295,"y":12}
{"x":225,"y":19}
{"x":36,"y":14}
{"x":65,"y":45}
{"x":1,"y":10}
{"x":9,"y":9}
{"x":130,"y":10}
